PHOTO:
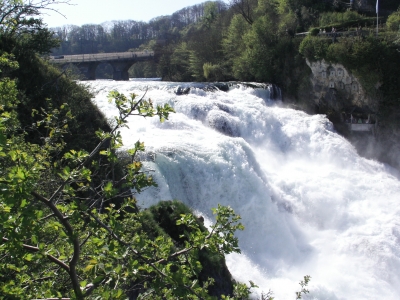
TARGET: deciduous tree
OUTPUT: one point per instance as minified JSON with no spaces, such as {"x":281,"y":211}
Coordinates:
{"x":62,"y":235}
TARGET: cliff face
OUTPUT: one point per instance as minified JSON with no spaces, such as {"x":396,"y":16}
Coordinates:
{"x":336,"y":89}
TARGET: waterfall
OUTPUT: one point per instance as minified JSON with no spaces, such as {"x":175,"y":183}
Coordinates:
{"x":309,"y":203}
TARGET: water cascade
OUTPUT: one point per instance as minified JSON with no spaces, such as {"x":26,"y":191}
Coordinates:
{"x":310,"y":204}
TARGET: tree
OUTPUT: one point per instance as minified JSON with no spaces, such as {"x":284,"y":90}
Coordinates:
{"x":210,"y":13}
{"x":235,"y":47}
{"x":19,"y":16}
{"x":246,"y":8}
{"x":393,"y":21}
{"x":63,"y":232}
{"x":21,"y":25}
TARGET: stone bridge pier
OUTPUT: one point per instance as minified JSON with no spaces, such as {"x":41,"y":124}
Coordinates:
{"x":120,"y":69}
{"x":88,"y":69}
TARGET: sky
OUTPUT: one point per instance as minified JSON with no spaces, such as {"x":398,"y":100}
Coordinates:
{"x":100,"y":11}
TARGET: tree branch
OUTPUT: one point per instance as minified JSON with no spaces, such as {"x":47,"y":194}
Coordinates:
{"x":70,"y":232}
{"x":50,"y":257}
{"x":152,"y":264}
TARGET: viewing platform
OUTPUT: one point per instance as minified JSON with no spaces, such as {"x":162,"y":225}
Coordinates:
{"x":360,"y":120}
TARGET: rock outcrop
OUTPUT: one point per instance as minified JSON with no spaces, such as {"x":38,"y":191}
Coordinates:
{"x":334,"y":91}
{"x":335,"y":88}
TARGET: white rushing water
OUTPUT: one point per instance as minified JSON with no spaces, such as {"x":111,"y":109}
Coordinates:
{"x":310,"y":204}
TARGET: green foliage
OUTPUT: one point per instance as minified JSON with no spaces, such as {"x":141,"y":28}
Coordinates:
{"x":314,"y":4}
{"x":20,"y":25}
{"x":314,"y":48}
{"x":234,"y":47}
{"x":91,"y":247}
{"x":393,"y":21}
{"x":314,"y":31}
{"x":288,"y":23}
{"x":266,"y":50}
{"x":304,"y":283}
{"x":210,"y":13}
{"x":180,"y":63}
{"x":397,"y":40}
{"x":7,"y":64}
{"x":62,"y":234}
{"x":212,"y":72}
{"x":49,"y":83}
{"x":167,"y":214}
{"x":348,"y":25}
{"x":174,"y":63}
{"x":21,"y":44}
{"x":330,"y":18}
{"x":196,"y":66}
{"x":260,"y":53}
{"x":242,"y":291}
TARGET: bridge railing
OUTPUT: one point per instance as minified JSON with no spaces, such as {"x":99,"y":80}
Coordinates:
{"x":100,"y":57}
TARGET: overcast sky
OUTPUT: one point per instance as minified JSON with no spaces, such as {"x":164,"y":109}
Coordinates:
{"x":99,"y":11}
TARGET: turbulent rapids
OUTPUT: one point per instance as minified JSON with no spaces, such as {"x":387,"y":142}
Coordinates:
{"x":309,"y":203}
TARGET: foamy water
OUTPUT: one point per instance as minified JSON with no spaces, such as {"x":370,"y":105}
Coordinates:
{"x":310,"y":204}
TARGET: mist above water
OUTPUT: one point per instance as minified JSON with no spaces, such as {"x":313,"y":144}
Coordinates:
{"x":309,"y":203}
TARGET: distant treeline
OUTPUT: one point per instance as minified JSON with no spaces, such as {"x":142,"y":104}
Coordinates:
{"x":118,"y":36}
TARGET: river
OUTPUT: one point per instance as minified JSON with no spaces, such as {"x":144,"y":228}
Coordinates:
{"x":309,"y":203}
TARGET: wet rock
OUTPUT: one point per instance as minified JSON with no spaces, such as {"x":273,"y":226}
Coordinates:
{"x":223,"y":123}
{"x":182,"y":90}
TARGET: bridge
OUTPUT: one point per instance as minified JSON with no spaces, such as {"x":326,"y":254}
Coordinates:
{"x":87,"y":63}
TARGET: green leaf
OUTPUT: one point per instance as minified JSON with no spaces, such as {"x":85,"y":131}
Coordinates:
{"x":88,"y":268}
{"x":119,"y":293}
{"x":28,"y":256}
{"x":108,"y":187}
{"x":23,"y":203}
{"x":99,"y":279}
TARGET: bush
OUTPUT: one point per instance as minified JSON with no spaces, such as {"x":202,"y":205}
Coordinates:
{"x":314,"y":48}
{"x":330,"y":18}
{"x":166,"y":215}
{"x":314,"y":31}
{"x":393,"y":21}
{"x":103,"y":250}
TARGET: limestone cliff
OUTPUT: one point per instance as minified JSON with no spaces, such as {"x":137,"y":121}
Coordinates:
{"x":335,"y":88}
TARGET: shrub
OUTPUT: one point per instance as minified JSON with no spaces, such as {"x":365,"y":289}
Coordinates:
{"x":314,"y":48}
{"x":393,"y":21}
{"x":314,"y":31}
{"x":329,"y":18}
